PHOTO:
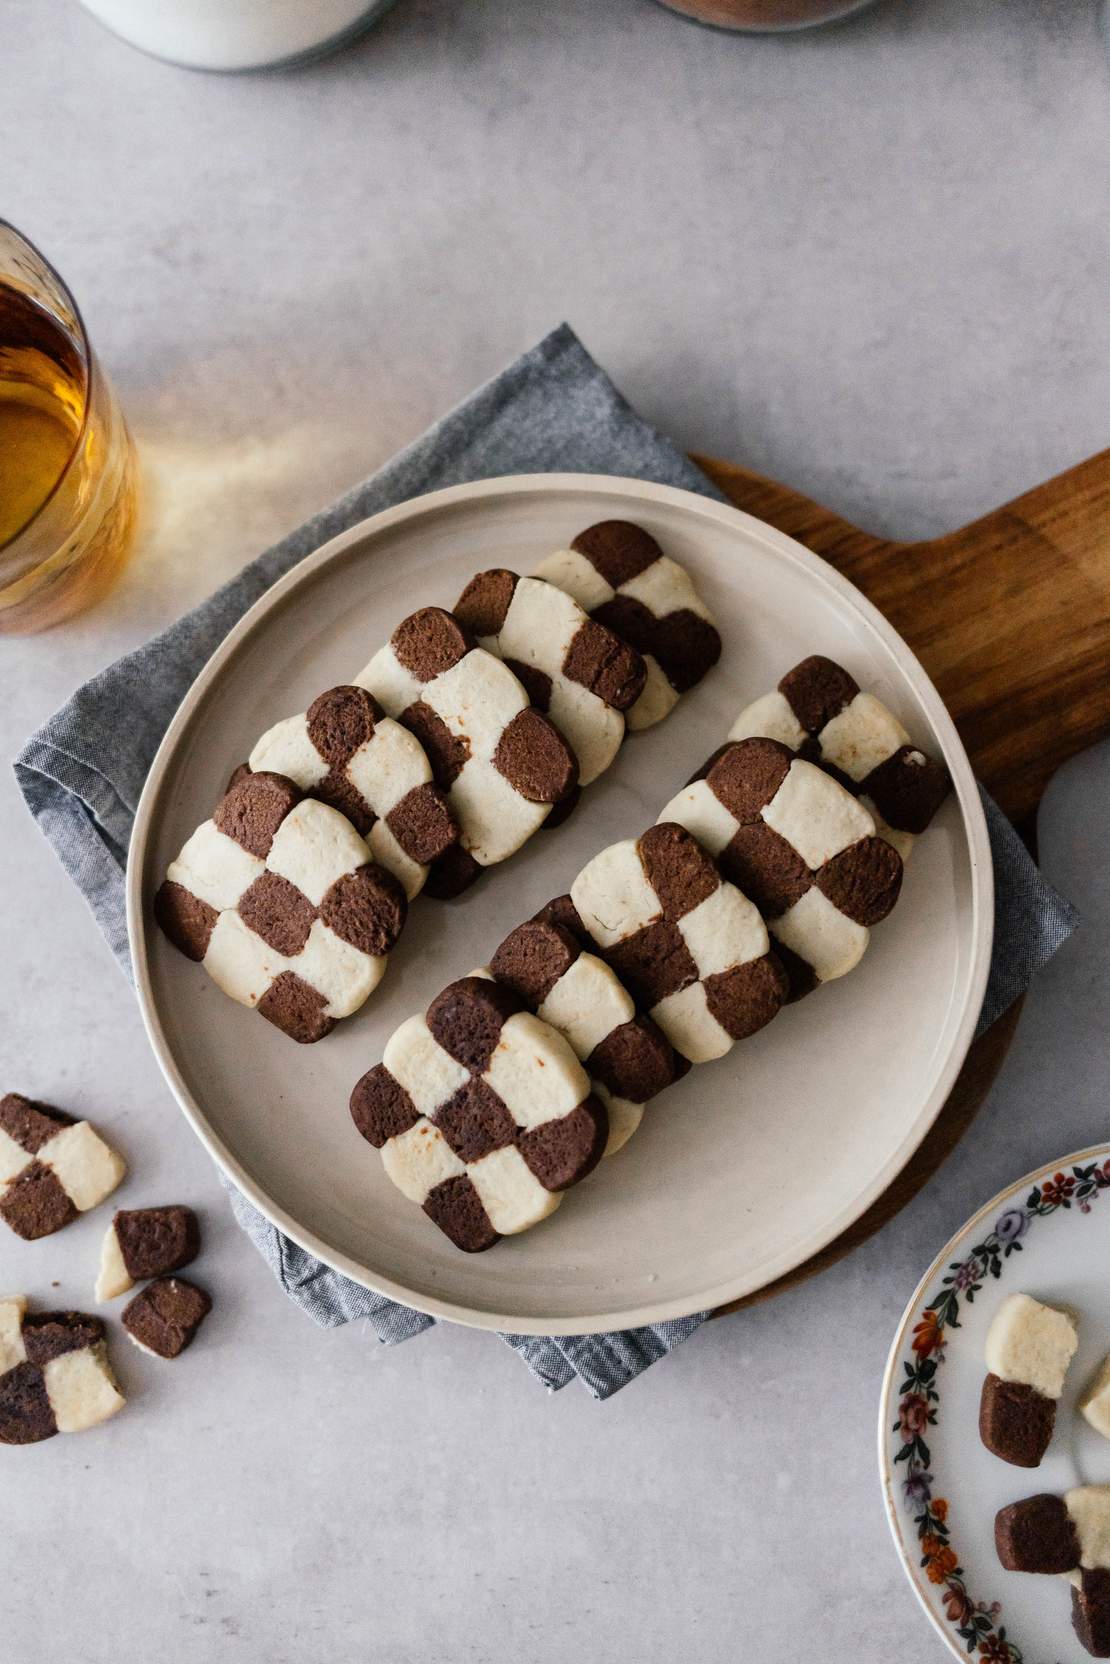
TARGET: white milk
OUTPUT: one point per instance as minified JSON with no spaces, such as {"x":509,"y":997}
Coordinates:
{"x":234,"y":34}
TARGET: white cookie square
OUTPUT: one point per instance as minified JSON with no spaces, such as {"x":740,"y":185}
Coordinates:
{"x":816,"y":815}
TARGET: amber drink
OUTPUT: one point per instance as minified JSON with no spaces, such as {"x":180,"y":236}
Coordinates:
{"x":67,"y":469}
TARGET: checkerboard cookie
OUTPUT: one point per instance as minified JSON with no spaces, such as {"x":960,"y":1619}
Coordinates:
{"x":819,"y":711}
{"x":54,"y":1373}
{"x":581,"y":675}
{"x":689,"y":946}
{"x":500,"y":761}
{"x":282,"y":902}
{"x":52,"y":1167}
{"x":628,"y":1057}
{"x":1028,"y":1349}
{"x":804,"y":849}
{"x":482,"y":1113}
{"x":163,"y":1317}
{"x":619,"y":575}
{"x":145,"y":1242}
{"x":346,"y":752}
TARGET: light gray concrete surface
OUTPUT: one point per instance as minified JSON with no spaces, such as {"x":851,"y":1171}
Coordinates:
{"x":871,"y":261}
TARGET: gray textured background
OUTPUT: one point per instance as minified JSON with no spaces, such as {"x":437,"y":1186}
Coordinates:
{"x":871,"y":261}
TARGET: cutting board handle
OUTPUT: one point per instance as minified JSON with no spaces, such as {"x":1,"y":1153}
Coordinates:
{"x":1010,"y":615}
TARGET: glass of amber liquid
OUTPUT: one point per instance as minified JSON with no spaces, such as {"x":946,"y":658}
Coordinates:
{"x":67,"y":467}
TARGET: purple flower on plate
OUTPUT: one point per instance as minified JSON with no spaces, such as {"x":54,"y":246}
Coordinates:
{"x":1011,"y":1224}
{"x":918,"y":1487}
{"x":970,"y":1272}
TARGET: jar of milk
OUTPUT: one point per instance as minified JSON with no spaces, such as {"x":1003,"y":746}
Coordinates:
{"x":237,"y":34}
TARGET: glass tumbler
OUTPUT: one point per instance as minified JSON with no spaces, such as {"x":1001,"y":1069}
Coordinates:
{"x":67,"y":467}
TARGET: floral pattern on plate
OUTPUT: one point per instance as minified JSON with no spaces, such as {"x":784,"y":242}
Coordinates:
{"x":916,"y":1394}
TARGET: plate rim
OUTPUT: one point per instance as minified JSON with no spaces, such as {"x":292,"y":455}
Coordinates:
{"x":888,"y":1478}
{"x":779,"y":544}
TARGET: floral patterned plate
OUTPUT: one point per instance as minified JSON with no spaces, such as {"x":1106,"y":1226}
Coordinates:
{"x":1047,"y":1235}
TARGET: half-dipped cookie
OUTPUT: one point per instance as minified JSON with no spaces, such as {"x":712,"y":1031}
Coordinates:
{"x":1029,"y":1347}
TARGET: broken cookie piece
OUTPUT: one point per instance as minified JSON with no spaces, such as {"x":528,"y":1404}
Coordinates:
{"x":1094,"y":1402}
{"x":165,"y":1316}
{"x":54,"y":1373}
{"x":1029,"y":1347}
{"x":52,"y":1167}
{"x":145,"y":1242}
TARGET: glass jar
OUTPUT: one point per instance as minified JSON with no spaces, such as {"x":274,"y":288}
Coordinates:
{"x":766,"y":16}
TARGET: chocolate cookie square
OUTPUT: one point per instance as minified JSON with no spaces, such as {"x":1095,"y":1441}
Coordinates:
{"x":164,"y":1317}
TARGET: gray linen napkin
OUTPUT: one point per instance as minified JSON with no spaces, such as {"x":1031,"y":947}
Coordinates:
{"x":554,"y":410}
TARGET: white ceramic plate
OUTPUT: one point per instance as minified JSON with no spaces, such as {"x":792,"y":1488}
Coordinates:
{"x":1047,"y":1235}
{"x":745,"y":1168}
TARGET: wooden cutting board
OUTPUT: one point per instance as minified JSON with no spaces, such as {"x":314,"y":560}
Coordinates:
{"x":1011,"y":618}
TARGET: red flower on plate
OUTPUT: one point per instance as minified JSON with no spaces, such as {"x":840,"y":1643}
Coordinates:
{"x":913,"y":1416}
{"x":995,"y":1651}
{"x":928,"y":1335}
{"x":957,"y":1604}
{"x":940,"y":1508}
{"x":1054,"y":1191}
